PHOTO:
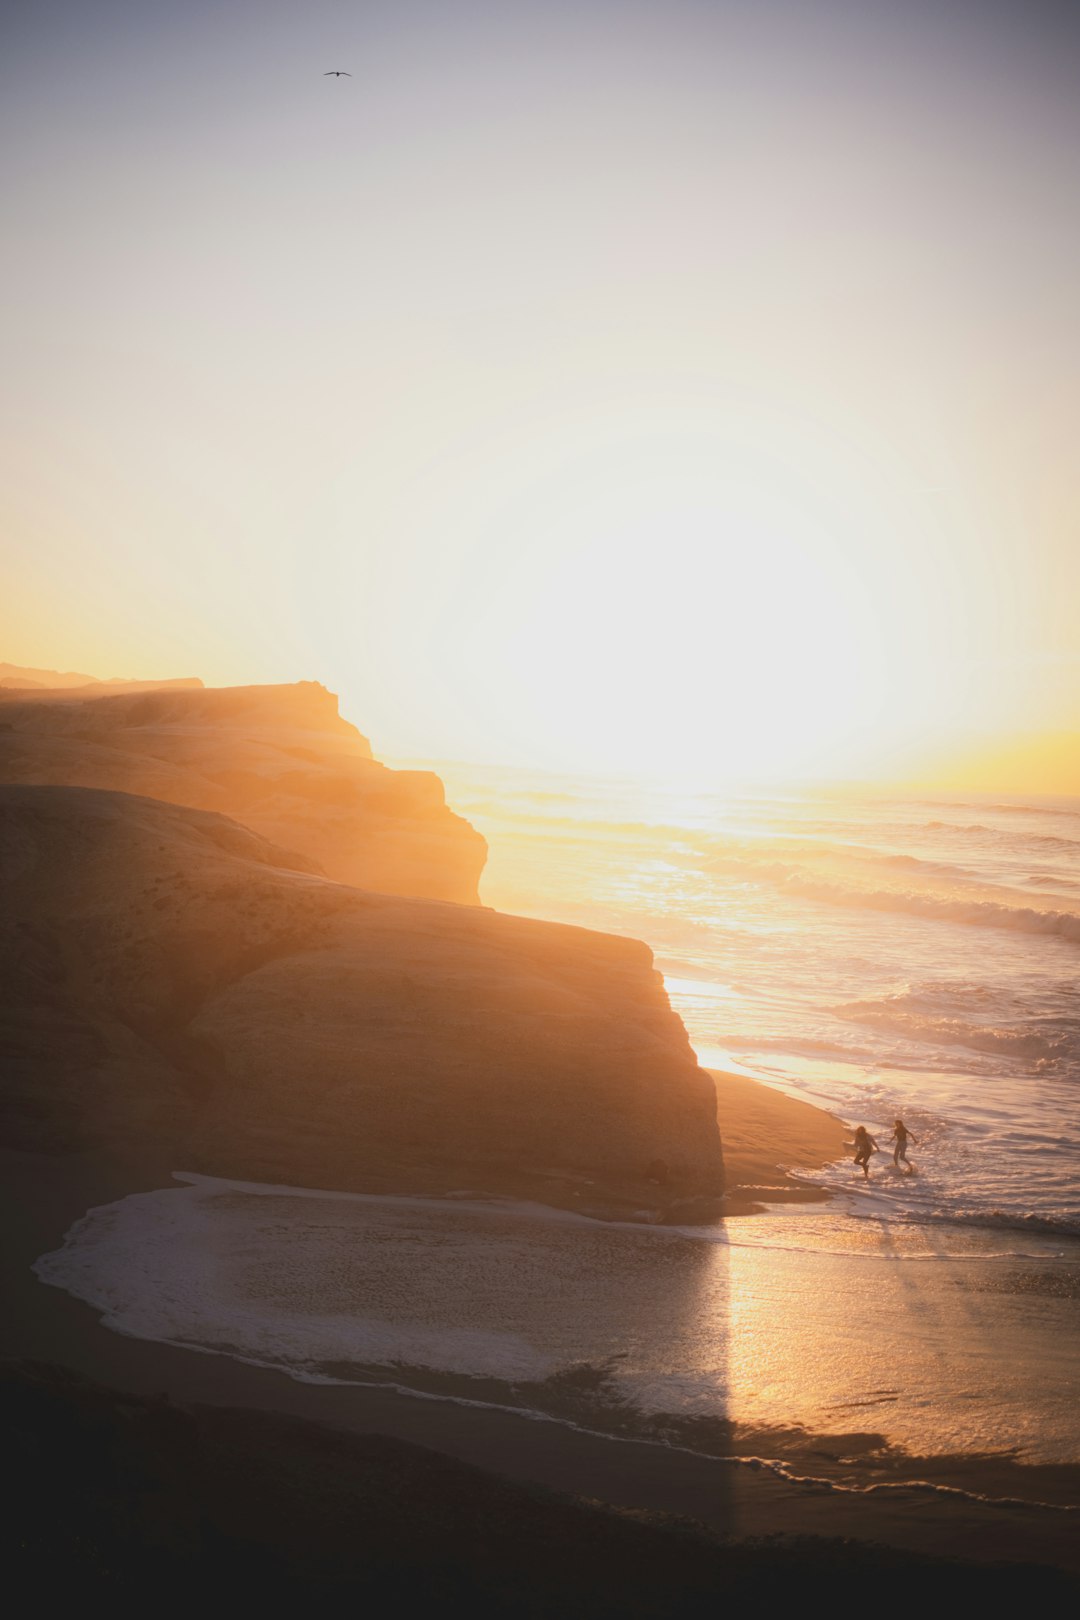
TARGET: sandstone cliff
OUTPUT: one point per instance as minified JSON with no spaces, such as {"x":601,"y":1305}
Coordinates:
{"x":280,"y":759}
{"x":173,"y":982}
{"x":32,"y":681}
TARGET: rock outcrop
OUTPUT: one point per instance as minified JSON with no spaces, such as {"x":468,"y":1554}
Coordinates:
{"x":279,"y":759}
{"x":175,"y":982}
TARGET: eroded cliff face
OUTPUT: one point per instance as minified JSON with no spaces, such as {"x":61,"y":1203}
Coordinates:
{"x":279,"y":759}
{"x":174,"y":983}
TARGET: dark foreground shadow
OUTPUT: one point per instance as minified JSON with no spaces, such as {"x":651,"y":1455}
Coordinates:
{"x":139,"y":1501}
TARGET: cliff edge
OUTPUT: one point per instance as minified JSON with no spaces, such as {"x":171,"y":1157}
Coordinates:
{"x":175,"y":984}
{"x":279,"y":759}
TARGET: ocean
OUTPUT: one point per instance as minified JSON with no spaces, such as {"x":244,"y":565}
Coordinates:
{"x":877,"y":956}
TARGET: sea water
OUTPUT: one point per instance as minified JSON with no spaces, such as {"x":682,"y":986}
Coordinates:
{"x":878,"y":956}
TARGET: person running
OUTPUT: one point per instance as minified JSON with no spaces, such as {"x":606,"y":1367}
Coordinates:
{"x":902,"y":1136}
{"x":864,"y":1146}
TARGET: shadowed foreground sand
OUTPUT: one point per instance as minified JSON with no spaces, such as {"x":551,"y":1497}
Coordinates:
{"x":139,"y":1499}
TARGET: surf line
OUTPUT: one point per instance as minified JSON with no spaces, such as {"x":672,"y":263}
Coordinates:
{"x":773,"y":1465}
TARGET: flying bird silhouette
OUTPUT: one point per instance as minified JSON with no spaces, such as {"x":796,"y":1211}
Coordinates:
{"x":336,"y":73}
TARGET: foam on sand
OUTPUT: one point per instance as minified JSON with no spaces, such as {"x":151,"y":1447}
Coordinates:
{"x":526,"y":1307}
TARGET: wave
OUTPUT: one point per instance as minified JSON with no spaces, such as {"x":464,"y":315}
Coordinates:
{"x":969,"y":913}
{"x":900,"y":1015}
{"x":784,"y":862}
{"x":1070,"y":809}
{"x":911,"y":1204}
{"x":916,"y":864}
{"x":1033,"y":809}
{"x":1063,"y":1225}
{"x":977,"y":829}
{"x":798,"y":1046}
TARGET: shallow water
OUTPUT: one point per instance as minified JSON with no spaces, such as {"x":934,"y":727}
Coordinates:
{"x":796,"y":1320}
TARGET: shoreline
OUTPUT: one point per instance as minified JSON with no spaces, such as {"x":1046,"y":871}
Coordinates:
{"x":767,"y":1135}
{"x":915,"y":1503}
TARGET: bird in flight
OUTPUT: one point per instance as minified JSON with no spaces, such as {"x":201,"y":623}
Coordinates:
{"x":336,"y":73}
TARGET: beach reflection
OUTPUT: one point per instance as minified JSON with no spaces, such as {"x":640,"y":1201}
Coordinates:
{"x":923,"y":1350}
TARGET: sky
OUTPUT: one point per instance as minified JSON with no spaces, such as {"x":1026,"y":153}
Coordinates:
{"x":671,"y":388}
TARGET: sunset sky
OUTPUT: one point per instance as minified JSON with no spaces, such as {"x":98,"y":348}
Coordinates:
{"x":681,"y":386}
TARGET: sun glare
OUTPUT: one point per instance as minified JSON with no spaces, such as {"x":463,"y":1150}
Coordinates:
{"x":720,"y":606}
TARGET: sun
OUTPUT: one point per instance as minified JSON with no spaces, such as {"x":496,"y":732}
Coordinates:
{"x":672,"y":614}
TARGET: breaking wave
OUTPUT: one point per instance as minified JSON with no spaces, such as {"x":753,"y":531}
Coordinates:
{"x":1049,"y":1223}
{"x":969,"y":913}
{"x":777,"y":859}
{"x":1005,"y":809}
{"x":1033,"y":810}
{"x":902,"y":1015}
{"x":799,"y":1045}
{"x":998,"y":834}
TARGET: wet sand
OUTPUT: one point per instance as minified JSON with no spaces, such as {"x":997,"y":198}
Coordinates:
{"x":43,"y":1196}
{"x":765,"y":1135}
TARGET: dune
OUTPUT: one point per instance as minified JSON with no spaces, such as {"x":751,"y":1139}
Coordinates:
{"x":279,"y":759}
{"x":175,"y":982}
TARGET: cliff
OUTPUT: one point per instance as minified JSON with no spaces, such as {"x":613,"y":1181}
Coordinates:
{"x":32,"y":681}
{"x":174,"y":983}
{"x":280,"y":759}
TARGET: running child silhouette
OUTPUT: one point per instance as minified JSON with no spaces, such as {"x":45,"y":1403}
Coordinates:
{"x":902,"y":1136}
{"x":864,"y":1146}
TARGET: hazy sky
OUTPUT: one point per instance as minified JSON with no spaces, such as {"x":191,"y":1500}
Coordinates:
{"x":612,"y":384}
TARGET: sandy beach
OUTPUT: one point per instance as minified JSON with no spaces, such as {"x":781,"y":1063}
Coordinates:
{"x":842,"y":1484}
{"x":765,"y":1135}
